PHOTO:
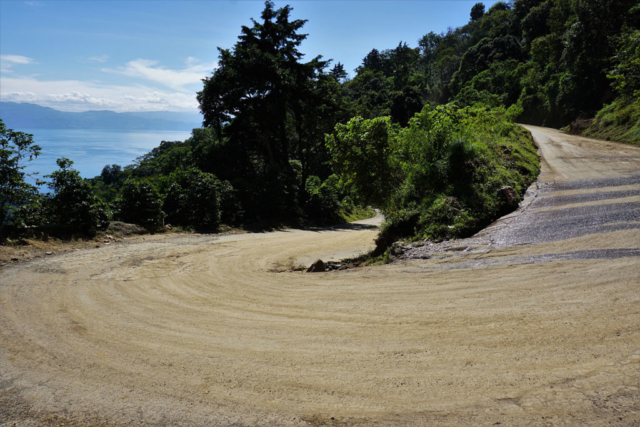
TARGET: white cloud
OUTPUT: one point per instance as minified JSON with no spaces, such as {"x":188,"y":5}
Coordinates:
{"x":146,"y":69}
{"x":74,"y":95}
{"x":8,"y":61}
{"x":16,"y":59}
{"x":101,"y":58}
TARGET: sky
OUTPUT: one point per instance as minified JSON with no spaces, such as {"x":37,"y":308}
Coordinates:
{"x":152,"y":55}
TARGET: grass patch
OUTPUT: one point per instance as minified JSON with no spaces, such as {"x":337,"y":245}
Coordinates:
{"x":618,"y":121}
{"x":357,"y":213}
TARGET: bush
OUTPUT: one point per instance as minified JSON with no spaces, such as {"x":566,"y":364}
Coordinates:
{"x":323,"y":201}
{"x":73,"y":203}
{"x":448,"y":165}
{"x":619,"y":121}
{"x":193,"y":199}
{"x":140,"y":203}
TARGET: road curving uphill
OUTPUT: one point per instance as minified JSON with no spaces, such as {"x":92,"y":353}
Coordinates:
{"x":536,"y":320}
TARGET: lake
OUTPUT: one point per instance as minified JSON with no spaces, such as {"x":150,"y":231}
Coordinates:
{"x":91,"y":150}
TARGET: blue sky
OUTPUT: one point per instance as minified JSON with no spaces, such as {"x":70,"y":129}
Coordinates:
{"x":151,"y":55}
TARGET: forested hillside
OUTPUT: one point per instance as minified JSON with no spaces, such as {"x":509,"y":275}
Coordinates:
{"x":551,"y":61}
{"x":425,"y":133}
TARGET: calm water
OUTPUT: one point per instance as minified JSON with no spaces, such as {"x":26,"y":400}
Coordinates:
{"x":91,"y":150}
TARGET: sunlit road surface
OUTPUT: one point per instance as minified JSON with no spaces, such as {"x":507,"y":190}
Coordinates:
{"x":535,"y":321}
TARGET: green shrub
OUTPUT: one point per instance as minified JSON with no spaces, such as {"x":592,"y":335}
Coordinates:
{"x":440,"y":176}
{"x":193,"y":199}
{"x":140,"y":203}
{"x":73,"y":203}
{"x":618,"y":121}
{"x":323,"y":201}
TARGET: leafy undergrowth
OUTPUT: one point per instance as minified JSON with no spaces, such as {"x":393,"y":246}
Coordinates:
{"x":618,"y":121}
{"x":446,"y":175}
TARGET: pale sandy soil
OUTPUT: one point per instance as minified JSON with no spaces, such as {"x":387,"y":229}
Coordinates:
{"x":196,"y":330}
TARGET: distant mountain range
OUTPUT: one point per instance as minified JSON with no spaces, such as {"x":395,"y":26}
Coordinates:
{"x":31,"y":116}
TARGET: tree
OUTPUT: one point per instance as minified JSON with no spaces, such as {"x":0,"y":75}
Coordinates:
{"x":140,"y":203}
{"x":111,"y":174}
{"x":257,"y":84}
{"x":405,"y":104}
{"x":338,"y":72}
{"x":626,"y":73}
{"x":270,"y":109}
{"x":15,"y":148}
{"x":361,"y":154}
{"x":193,"y":199}
{"x":373,"y":60}
{"x":477,"y":11}
{"x":73,"y":204}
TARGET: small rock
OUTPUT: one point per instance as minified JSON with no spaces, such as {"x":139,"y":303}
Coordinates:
{"x":508,"y":194}
{"x":397,"y":249}
{"x":316,"y":267}
{"x":48,"y":253}
{"x":109,"y":237}
{"x":168,"y":226}
{"x":107,"y":243}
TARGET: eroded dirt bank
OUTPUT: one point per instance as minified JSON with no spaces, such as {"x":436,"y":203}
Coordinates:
{"x":210,"y":331}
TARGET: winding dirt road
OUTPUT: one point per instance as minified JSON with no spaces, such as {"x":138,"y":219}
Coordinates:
{"x":535,"y":321}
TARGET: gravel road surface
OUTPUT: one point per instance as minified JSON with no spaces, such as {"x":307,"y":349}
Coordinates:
{"x":535,"y":321}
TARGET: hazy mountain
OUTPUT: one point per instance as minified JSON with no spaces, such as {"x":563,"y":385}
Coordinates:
{"x":31,"y":116}
{"x":172,"y":116}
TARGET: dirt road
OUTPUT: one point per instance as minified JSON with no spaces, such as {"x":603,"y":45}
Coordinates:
{"x":535,"y":322}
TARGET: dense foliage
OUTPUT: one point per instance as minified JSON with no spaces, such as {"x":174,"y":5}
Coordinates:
{"x":549,"y":59}
{"x":73,"y":203}
{"x":269,"y":112}
{"x":425,"y":133}
{"x":15,"y":149}
{"x":442,"y":175}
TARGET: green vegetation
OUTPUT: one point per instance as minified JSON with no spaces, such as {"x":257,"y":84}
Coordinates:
{"x":441,"y":176}
{"x":619,"y":121}
{"x":549,"y":59}
{"x":72,"y":204}
{"x":15,"y":147}
{"x":426,"y":134}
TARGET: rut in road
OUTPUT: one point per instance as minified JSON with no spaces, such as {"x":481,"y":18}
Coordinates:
{"x":198,"y":330}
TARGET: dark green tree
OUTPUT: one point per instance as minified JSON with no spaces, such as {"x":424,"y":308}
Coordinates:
{"x":477,"y":11}
{"x":73,"y":203}
{"x":140,"y":203}
{"x":193,"y":199}
{"x":361,"y":153}
{"x":269,"y":108}
{"x":16,"y":148}
{"x":626,"y":71}
{"x":338,"y":72}
{"x":257,"y":83}
{"x":111,"y":174}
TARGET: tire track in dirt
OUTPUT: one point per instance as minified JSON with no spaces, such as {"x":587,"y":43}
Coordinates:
{"x":205,"y":330}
